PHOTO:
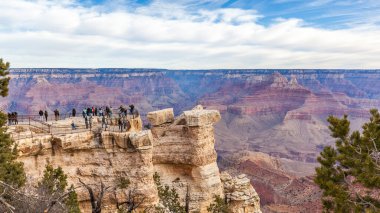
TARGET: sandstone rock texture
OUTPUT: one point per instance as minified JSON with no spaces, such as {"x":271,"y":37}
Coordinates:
{"x":185,"y":156}
{"x":161,"y":117}
{"x":95,"y":158}
{"x":181,"y":150}
{"x":241,"y":194}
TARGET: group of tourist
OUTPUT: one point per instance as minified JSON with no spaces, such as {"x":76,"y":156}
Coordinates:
{"x":95,"y":111}
{"x":106,"y":114}
{"x":45,"y":114}
{"x":12,"y":118}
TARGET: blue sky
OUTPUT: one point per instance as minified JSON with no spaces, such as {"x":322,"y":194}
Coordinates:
{"x":191,"y":34}
{"x":322,"y":13}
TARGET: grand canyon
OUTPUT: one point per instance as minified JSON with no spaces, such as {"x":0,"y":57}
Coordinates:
{"x":273,"y":122}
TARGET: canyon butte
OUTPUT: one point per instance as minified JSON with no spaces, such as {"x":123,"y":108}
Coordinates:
{"x":272,"y":127}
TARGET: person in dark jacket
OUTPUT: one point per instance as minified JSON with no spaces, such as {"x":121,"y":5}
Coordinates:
{"x":9,"y":118}
{"x":46,"y":115}
{"x":134,"y":112}
{"x":41,"y":113}
{"x":73,"y":126}
{"x":14,"y":117}
{"x":56,"y":114}
{"x":73,"y":112}
{"x":108,"y":111}
{"x":120,"y":123}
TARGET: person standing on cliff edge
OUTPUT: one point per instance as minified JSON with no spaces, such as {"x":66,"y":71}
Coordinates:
{"x":104,"y":123}
{"x":73,"y":112}
{"x":41,"y":113}
{"x":86,"y":121}
{"x":46,"y":115}
{"x":120,"y":123}
{"x":56,"y":114}
{"x":90,"y":121}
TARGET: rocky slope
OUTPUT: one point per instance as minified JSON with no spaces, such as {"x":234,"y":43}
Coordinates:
{"x":278,"y":112}
{"x":279,"y":191}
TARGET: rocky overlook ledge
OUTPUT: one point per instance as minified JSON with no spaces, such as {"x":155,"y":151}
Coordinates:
{"x":180,"y":149}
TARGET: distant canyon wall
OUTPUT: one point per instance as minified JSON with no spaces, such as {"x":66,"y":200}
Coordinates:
{"x":288,"y":106}
{"x":278,"y":112}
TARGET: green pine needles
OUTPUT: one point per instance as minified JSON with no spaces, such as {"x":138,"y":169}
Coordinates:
{"x":349,"y":174}
{"x":218,"y":206}
{"x":54,"y":180}
{"x":168,"y":197}
{"x":72,"y":203}
{"x":11,"y":172}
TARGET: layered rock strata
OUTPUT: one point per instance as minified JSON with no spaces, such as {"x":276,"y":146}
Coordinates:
{"x":240,"y":194}
{"x":185,"y":156}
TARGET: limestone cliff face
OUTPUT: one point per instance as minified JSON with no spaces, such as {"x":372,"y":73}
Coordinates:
{"x":94,"y":158}
{"x":180,"y":149}
{"x":184,"y":154}
{"x":242,"y":197}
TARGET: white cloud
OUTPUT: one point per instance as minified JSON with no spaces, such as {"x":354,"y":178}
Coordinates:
{"x":62,"y":34}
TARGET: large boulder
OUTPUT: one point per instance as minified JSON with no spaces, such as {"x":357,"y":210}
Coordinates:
{"x":200,"y":117}
{"x":159,"y":117}
{"x":141,"y":140}
{"x":240,"y":192}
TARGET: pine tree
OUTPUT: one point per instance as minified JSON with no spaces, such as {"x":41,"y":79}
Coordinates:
{"x":72,"y":203}
{"x":52,"y":190}
{"x":54,"y":179}
{"x":349,"y":174}
{"x":11,"y":172}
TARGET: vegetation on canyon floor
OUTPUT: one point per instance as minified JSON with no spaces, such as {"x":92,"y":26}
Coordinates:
{"x":349,"y":174}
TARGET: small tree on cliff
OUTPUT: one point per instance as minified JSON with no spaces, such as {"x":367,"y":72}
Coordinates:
{"x":72,"y":202}
{"x":169,"y":198}
{"x":218,"y":206}
{"x":52,"y":190}
{"x":53,"y":185}
{"x":54,"y":180}
{"x":349,"y":174}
